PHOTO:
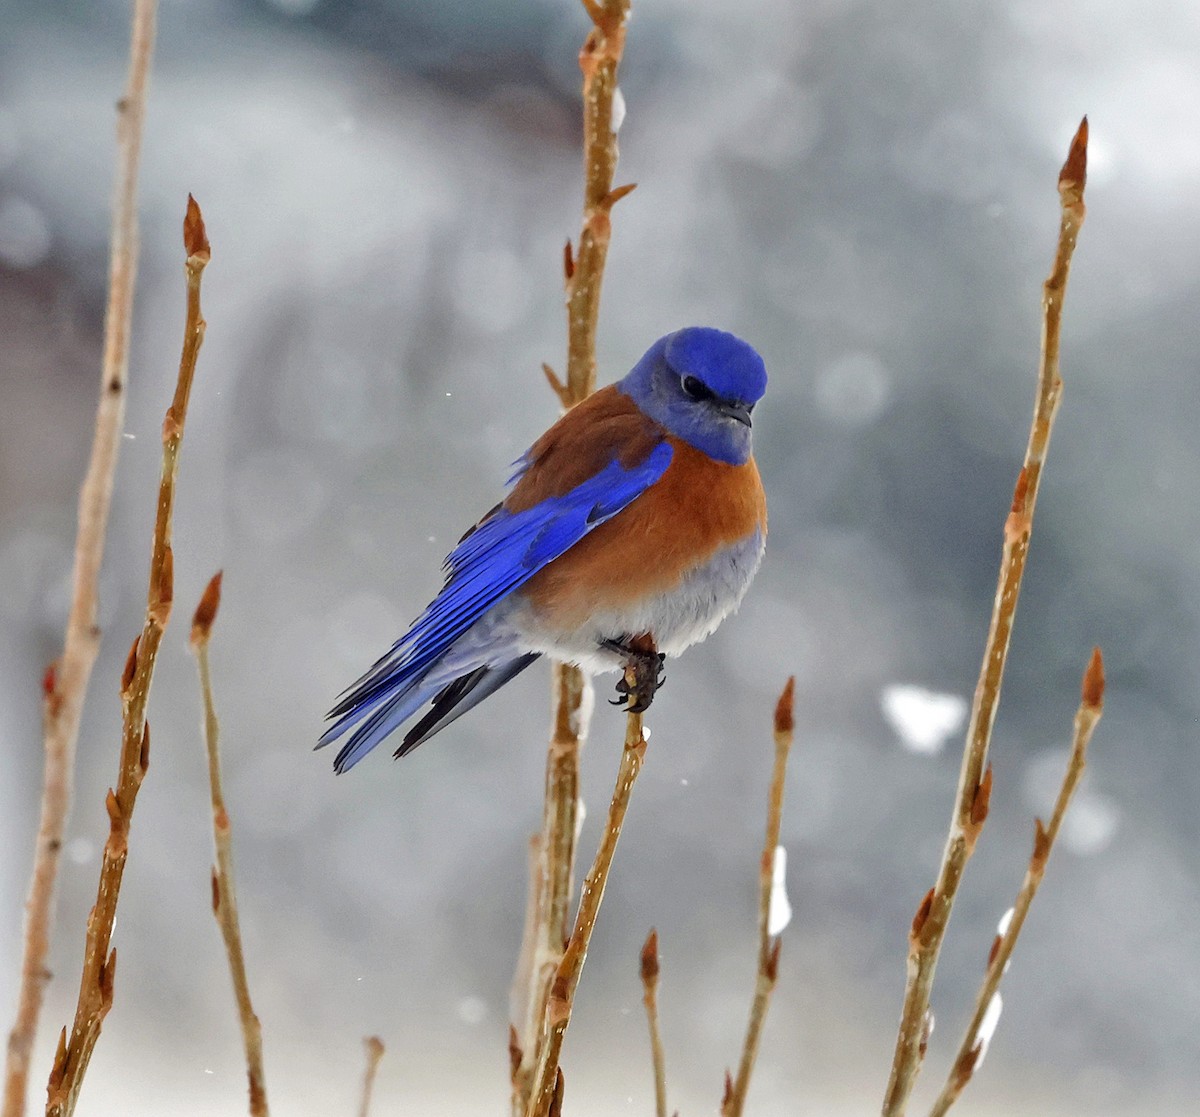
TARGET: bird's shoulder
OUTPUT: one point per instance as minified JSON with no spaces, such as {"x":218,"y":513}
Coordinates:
{"x":608,"y":426}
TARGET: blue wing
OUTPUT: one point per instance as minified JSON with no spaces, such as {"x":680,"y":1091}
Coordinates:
{"x":503,"y":552}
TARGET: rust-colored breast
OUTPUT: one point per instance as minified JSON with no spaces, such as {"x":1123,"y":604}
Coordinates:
{"x":697,"y":508}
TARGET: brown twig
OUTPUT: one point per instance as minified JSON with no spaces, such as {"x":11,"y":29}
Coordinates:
{"x":583,"y":272}
{"x":734,"y":1098}
{"x":551,"y":886}
{"x":598,"y":59}
{"x":521,"y":994}
{"x":224,"y":895}
{"x":974,"y":1043}
{"x":66,"y":681}
{"x":374,"y":1047}
{"x":649,"y":972}
{"x":974,"y":783}
{"x":99,"y":964}
{"x":556,"y":1099}
{"x":557,"y":386}
{"x":566,"y":978}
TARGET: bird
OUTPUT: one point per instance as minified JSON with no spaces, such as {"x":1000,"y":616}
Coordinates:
{"x":629,"y":531}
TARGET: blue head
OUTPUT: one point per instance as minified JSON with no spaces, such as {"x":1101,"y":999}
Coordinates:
{"x":701,"y":384}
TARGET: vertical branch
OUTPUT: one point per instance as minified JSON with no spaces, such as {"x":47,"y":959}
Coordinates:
{"x":974,"y":784}
{"x":224,"y":895}
{"x":987,"y":1004}
{"x":768,"y":937}
{"x":374,"y":1048}
{"x":649,"y":972}
{"x":99,"y":964}
{"x":566,"y":978}
{"x":66,"y":681}
{"x":552,"y":867}
{"x":583,"y":271}
{"x":598,"y":59}
{"x":521,"y":995}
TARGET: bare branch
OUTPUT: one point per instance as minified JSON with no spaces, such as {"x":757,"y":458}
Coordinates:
{"x":768,"y":944}
{"x":206,"y":612}
{"x":66,"y":682}
{"x":96,"y":984}
{"x":566,"y":979}
{"x":649,"y":972}
{"x":524,"y":987}
{"x":553,"y":862}
{"x":598,"y":59}
{"x":967,"y":819}
{"x":223,"y":892}
{"x":974,"y":1043}
{"x":374,"y":1047}
{"x":583,"y":273}
{"x":556,"y":385}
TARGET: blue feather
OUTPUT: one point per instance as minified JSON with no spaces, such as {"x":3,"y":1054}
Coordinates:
{"x":498,"y":557}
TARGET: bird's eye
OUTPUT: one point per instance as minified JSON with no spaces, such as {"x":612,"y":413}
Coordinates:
{"x":696,"y":388}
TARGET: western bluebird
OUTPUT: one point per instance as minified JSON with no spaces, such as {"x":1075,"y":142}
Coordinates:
{"x":631,"y":529}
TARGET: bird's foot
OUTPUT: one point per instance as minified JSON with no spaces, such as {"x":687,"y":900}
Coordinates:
{"x":643,"y":673}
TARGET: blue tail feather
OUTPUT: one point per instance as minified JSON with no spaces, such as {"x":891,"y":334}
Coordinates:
{"x":465,"y":693}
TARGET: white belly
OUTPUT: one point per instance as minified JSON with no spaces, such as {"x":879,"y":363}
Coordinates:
{"x":677,"y":620}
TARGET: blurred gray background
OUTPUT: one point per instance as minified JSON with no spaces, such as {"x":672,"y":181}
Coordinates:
{"x":866,"y":191}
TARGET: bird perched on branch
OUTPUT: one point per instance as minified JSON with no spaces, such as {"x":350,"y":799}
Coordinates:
{"x":631,"y":529}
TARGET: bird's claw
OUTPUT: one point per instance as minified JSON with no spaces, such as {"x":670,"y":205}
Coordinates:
{"x":641,"y":679}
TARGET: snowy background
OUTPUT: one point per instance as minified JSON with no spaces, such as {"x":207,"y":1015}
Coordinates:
{"x":863,"y":190}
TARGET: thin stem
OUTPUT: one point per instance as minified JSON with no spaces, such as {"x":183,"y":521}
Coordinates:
{"x":99,"y":965}
{"x":649,"y":973}
{"x":552,"y":867}
{"x":974,"y":785}
{"x":521,"y":995}
{"x":66,"y":682}
{"x":224,"y":895}
{"x":566,"y":979}
{"x":974,"y":1043}
{"x":599,"y":60}
{"x":374,"y":1048}
{"x":768,"y":945}
{"x":549,"y":912}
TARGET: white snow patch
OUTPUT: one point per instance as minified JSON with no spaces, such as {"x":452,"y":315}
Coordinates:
{"x":987,"y":1028}
{"x":779,"y":908}
{"x":1005,"y":921}
{"x":618,"y":110}
{"x":582,"y":718}
{"x":922,"y":719}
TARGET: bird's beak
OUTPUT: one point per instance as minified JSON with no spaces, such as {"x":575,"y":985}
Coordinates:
{"x":737,"y":411}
